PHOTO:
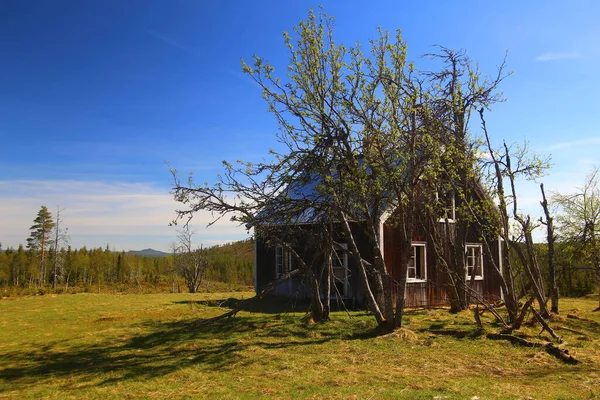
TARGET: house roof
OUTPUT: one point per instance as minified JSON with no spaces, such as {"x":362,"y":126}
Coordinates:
{"x":301,"y":202}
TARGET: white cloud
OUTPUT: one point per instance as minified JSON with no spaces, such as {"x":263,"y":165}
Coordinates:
{"x":558,"y":56}
{"x":124,"y":215}
{"x":573,"y":143}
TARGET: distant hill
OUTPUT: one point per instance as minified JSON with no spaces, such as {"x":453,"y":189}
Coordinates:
{"x":148,"y":253}
{"x":231,"y":262}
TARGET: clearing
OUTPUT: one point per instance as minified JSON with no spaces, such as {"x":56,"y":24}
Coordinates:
{"x":95,"y":346}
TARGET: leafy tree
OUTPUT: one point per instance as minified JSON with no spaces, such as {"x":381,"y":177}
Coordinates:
{"x":579,"y":220}
{"x":18,"y":267}
{"x":4,"y":267}
{"x":231,"y":264}
{"x":574,"y":275}
{"x":40,"y":239}
{"x":366,"y":132}
{"x":453,"y":177}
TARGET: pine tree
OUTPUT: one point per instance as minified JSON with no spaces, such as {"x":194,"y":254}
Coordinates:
{"x":40,"y":240}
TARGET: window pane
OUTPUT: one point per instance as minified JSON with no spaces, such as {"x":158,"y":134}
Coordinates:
{"x":339,"y":257}
{"x":418,"y":264}
{"x":339,"y":263}
{"x":474,"y":261}
{"x":279,"y":260}
{"x":337,"y":260}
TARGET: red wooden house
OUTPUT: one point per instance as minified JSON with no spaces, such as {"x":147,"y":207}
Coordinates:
{"x":426,"y":281}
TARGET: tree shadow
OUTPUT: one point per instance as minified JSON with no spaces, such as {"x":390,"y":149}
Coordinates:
{"x":457,"y":333}
{"x":165,"y":347}
{"x":266,"y":305}
{"x":583,"y":324}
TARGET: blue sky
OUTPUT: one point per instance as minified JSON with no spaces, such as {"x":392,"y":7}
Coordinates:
{"x":95,"y":96}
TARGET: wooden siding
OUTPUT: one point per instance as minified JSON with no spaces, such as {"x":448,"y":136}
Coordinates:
{"x":298,"y":287}
{"x":423,"y":294}
{"x":433,"y":292}
{"x":430,"y":293}
{"x":265,"y":273}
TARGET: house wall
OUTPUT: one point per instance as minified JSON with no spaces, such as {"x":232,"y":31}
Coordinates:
{"x":365,"y":249}
{"x":299,"y":287}
{"x":421,"y":294}
{"x":265,"y":273}
{"x":433,"y":292}
{"x":417,"y":294}
{"x":265,"y":264}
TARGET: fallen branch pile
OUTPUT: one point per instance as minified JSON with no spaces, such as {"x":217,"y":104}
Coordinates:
{"x":551,"y":348}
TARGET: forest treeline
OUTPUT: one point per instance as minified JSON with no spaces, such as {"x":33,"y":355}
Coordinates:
{"x":574,"y":275}
{"x":230,"y":266}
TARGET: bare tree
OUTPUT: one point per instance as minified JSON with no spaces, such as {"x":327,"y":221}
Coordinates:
{"x":550,"y":237}
{"x":60,"y":239}
{"x":188,"y":261}
{"x":507,"y":166}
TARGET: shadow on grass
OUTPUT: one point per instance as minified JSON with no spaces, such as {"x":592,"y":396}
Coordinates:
{"x":585,"y":324}
{"x":268,"y":305}
{"x":163,"y":348}
{"x":157,"y":348}
{"x":456,"y":333}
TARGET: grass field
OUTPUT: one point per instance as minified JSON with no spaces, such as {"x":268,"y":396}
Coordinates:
{"x":150,"y":346}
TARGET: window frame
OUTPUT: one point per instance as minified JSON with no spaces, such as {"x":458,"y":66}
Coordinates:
{"x":474,"y":247}
{"x":344,"y":267}
{"x":279,"y":260}
{"x":283,"y":261}
{"x":422,"y":246}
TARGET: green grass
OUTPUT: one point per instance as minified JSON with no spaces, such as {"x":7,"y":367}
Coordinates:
{"x":150,"y":346}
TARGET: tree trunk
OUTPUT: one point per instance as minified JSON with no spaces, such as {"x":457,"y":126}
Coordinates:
{"x":317,"y":309}
{"x":55,"y":259}
{"x":597,"y":267}
{"x":43,"y":262}
{"x":532,"y":268}
{"x":404,"y":259}
{"x":372,"y":303}
{"x":327,"y":269}
{"x":67,"y":281}
{"x":551,"y":259}
{"x":387,"y":299}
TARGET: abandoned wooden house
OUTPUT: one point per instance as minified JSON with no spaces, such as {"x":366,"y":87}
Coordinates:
{"x":426,"y":283}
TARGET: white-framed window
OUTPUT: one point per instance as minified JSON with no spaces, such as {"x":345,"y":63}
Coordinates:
{"x":339,"y":264}
{"x":474,"y":261}
{"x":279,"y":260}
{"x":417,"y":266}
{"x":283,"y":261}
